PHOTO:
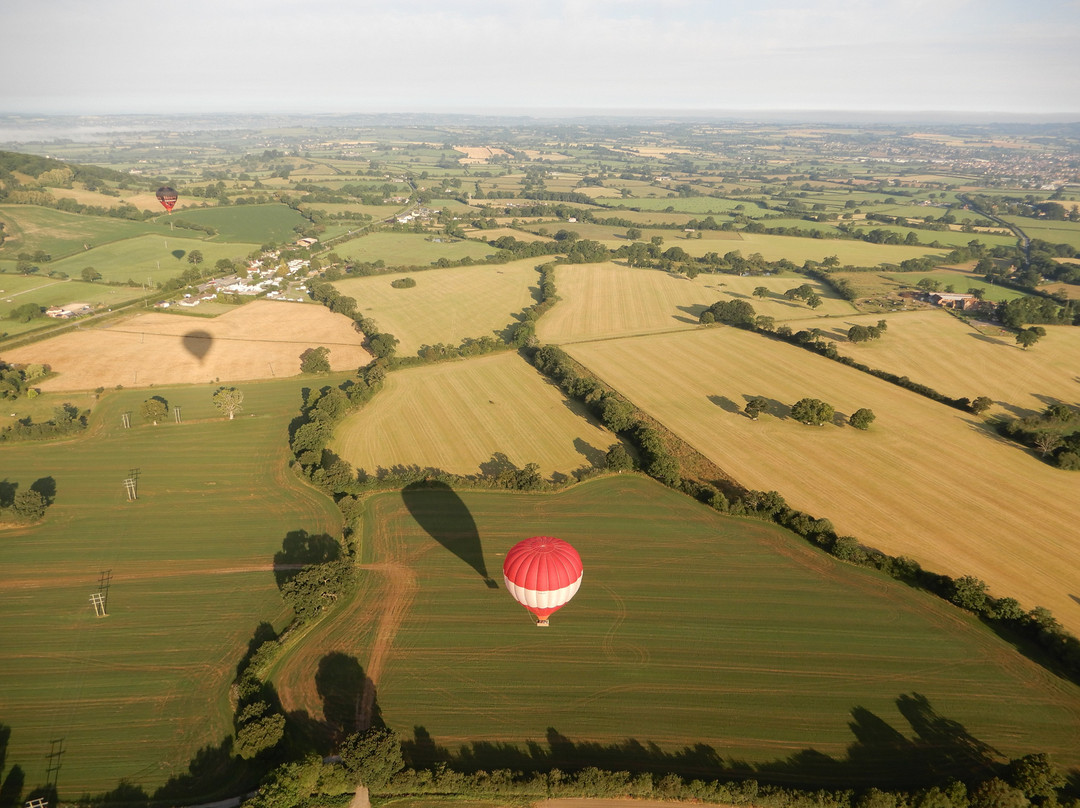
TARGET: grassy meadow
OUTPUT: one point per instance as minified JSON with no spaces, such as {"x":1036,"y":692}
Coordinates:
{"x":157,"y":257}
{"x":410,"y":249}
{"x":191,"y":563}
{"x":15,"y":290}
{"x":457,"y":416}
{"x":252,"y":224}
{"x":776,"y":649}
{"x":29,"y":228}
{"x":925,"y":481}
{"x":446,"y":305}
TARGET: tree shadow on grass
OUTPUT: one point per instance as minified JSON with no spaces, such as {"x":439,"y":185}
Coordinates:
{"x":726,"y":404}
{"x":932,"y":751}
{"x":593,"y":456}
{"x":439,"y":510}
{"x":46,"y":486}
{"x":299,"y":549}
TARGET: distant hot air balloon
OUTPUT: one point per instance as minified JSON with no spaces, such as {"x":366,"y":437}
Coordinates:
{"x":542,"y":574}
{"x":167,"y":197}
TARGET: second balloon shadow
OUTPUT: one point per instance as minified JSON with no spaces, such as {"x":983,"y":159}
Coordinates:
{"x":439,"y":510}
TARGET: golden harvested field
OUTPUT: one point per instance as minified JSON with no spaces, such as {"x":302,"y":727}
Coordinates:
{"x":446,"y":305}
{"x":456,"y":416}
{"x":925,"y":481}
{"x":256,"y":341}
{"x":798,"y":250}
{"x":610,"y":300}
{"x":961,"y":360}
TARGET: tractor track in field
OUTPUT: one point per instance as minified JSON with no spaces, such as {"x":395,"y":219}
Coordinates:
{"x":398,"y":595}
{"x":80,"y":579}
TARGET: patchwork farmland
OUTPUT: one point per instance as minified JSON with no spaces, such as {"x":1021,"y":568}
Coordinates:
{"x":704,"y":644}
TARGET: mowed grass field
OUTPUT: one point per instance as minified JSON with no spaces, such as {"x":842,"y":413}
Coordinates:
{"x":28,"y":228}
{"x":689,"y":628}
{"x":260,"y":340}
{"x":857,"y":253}
{"x":446,"y":305}
{"x":257,"y":224}
{"x":410,"y":249}
{"x":156,"y":258}
{"x":925,"y":481}
{"x":456,"y":416}
{"x":16,"y":290}
{"x":936,"y":349}
{"x":136,"y":694}
{"x":599,"y":301}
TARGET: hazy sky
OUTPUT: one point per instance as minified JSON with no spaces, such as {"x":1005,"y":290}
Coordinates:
{"x":117,"y":56}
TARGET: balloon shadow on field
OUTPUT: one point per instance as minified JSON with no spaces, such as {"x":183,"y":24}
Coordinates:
{"x":197,"y":343}
{"x":348,"y":696}
{"x":440,"y":511}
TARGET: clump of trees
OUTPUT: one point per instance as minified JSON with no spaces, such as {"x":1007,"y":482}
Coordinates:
{"x":729,"y":312}
{"x":315,"y":360}
{"x":1026,"y":337}
{"x":26,"y":505}
{"x":67,"y":419}
{"x":864,"y":333}
{"x":806,"y":293}
{"x":1055,"y":433}
{"x":15,"y":380}
{"x":403,"y":283}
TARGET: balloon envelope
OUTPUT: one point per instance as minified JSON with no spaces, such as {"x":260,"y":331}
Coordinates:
{"x":542,"y":574}
{"x":167,"y":197}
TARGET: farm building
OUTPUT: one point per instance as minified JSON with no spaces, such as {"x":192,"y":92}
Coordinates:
{"x":955,"y":300}
{"x":68,"y":310}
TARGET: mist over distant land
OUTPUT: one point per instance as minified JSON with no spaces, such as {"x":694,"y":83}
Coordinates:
{"x":25,"y":128}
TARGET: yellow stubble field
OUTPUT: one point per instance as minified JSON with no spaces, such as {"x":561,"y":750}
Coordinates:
{"x":967,"y":360}
{"x":446,"y":305}
{"x":456,"y":415}
{"x":607,"y":300}
{"x":925,"y":481}
{"x":261,"y":340}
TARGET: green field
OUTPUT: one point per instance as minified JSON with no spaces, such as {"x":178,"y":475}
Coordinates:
{"x":157,"y":257}
{"x":191,"y":565}
{"x":690,"y":628}
{"x":409,"y":249}
{"x":15,"y":290}
{"x":446,"y":305}
{"x":28,"y":228}
{"x":1053,"y":232}
{"x":257,"y":224}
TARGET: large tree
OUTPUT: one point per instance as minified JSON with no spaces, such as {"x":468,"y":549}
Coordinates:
{"x":229,"y":400}
{"x":315,"y":360}
{"x":155,"y":409}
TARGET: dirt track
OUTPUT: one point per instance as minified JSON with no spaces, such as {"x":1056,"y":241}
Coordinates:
{"x":260,"y":340}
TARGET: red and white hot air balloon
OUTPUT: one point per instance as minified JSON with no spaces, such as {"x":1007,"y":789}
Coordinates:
{"x":542,"y":574}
